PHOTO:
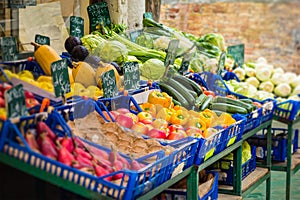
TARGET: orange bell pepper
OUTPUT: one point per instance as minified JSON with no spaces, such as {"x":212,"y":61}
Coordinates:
{"x":165,"y":114}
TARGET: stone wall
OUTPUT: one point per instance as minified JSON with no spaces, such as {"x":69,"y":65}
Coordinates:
{"x":271,"y":30}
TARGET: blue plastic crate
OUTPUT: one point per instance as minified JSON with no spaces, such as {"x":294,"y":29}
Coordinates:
{"x":233,"y":133}
{"x":226,"y":176}
{"x":119,"y":102}
{"x":279,"y":144}
{"x":183,"y":156}
{"x":198,"y":79}
{"x":287,"y":110}
{"x":212,"y":194}
{"x":208,"y":146}
{"x":132,"y":185}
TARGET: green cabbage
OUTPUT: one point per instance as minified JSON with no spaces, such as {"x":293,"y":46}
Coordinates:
{"x":153,"y":69}
{"x":263,"y":74}
{"x":253,"y":81}
{"x":240,"y":73}
{"x":278,"y":78}
{"x":114,"y":51}
{"x":266,"y":86}
{"x":283,"y":90}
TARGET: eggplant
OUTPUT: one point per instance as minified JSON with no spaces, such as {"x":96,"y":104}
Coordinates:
{"x":72,"y":42}
{"x":79,"y":53}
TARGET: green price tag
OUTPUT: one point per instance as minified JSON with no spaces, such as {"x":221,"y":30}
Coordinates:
{"x":109,"y":84}
{"x":60,"y":77}
{"x":41,"y":39}
{"x":98,"y":13}
{"x":16,"y":4}
{"x":15,"y":102}
{"x":221,"y":63}
{"x":134,"y":34}
{"x":171,"y":52}
{"x":30,"y":2}
{"x":148,"y":15}
{"x":76,"y":26}
{"x":131,"y":75}
{"x":8,"y":48}
{"x":237,"y":52}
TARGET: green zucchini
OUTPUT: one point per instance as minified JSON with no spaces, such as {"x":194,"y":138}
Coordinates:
{"x":234,"y":102}
{"x":225,"y":107}
{"x":248,"y":101}
{"x":173,"y":93}
{"x":218,"y":112}
{"x":188,"y":83}
{"x":206,"y":103}
{"x":192,"y":92}
{"x":182,"y":90}
{"x":200,"y":100}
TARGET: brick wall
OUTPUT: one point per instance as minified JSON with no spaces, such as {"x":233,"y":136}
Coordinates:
{"x":271,"y":30}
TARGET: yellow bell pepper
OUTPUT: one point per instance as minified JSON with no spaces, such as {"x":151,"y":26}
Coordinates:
{"x":149,"y":107}
{"x":179,"y":117}
{"x":197,"y":122}
{"x":206,"y":116}
{"x":227,"y":119}
{"x":165,"y":114}
{"x":162,"y":98}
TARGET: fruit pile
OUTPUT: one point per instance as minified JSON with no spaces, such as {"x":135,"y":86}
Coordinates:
{"x":74,"y":152}
{"x":30,"y":100}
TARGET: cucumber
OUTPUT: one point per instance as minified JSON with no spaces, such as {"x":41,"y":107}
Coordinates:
{"x":192,"y":92}
{"x":234,"y":102}
{"x":225,"y":107}
{"x":188,"y":83}
{"x":182,"y":90}
{"x":176,"y":102}
{"x":248,"y":101}
{"x":206,"y":103}
{"x":200,"y":100}
{"x":173,"y":93}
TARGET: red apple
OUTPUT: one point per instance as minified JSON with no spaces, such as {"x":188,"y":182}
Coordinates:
{"x":133,"y":116}
{"x":193,"y":131}
{"x":149,"y":126}
{"x":28,"y":94}
{"x":31,"y":102}
{"x":114,"y":114}
{"x":1,"y":94}
{"x":175,"y":128}
{"x":160,"y":123}
{"x":145,"y":117}
{"x":157,"y":133}
{"x":177,"y":135}
{"x":123,"y":110}
{"x":2,"y":102}
{"x":140,"y":127}
{"x":2,"y":88}
{"x":124,"y":120}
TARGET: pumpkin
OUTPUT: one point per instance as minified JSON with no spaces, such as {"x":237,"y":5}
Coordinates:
{"x":104,"y":67}
{"x":83,"y":73}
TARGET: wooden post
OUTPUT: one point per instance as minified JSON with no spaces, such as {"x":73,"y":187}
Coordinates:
{"x":154,"y":7}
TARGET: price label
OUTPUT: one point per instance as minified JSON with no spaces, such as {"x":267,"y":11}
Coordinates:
{"x":171,"y":52}
{"x":16,"y":4}
{"x":134,"y":34}
{"x":77,"y":26}
{"x":15,"y":102}
{"x":148,"y":15}
{"x":41,"y":39}
{"x":109,"y":84}
{"x":60,"y":77}
{"x":98,"y":14}
{"x":237,"y":52}
{"x":131,"y":75}
{"x":221,"y":63}
{"x":30,"y":2}
{"x":8,"y":48}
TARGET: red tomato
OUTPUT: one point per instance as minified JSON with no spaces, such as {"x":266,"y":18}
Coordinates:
{"x":208,"y":92}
